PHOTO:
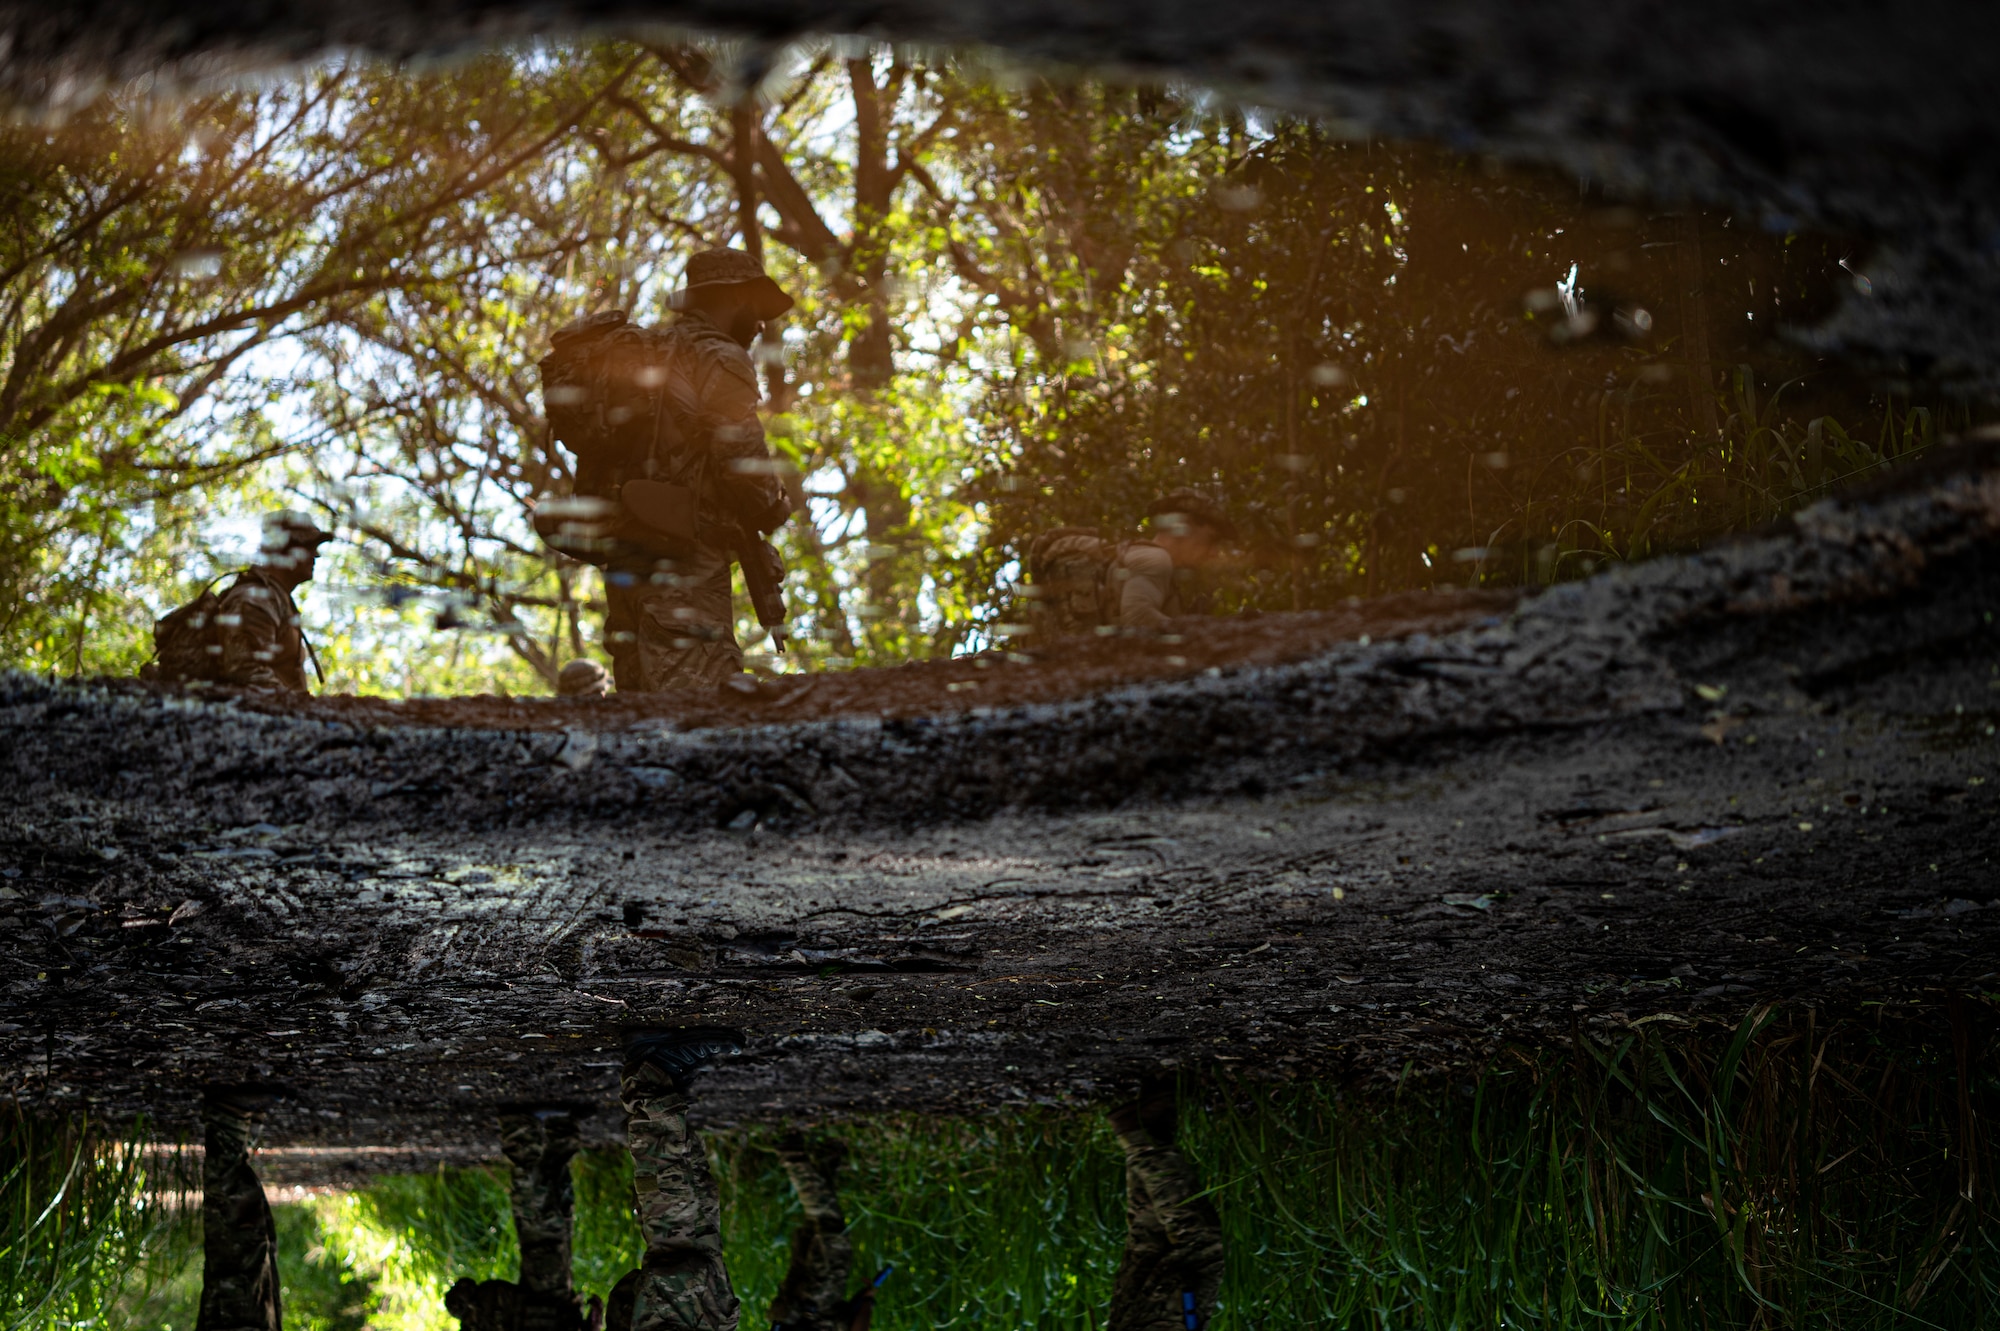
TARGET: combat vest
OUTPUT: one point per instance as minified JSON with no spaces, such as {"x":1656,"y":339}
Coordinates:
{"x":188,"y":641}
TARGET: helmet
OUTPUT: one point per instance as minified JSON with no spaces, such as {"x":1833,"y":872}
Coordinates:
{"x":582,"y":678}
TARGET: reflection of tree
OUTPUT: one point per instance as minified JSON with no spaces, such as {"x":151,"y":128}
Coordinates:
{"x":1022,"y":303}
{"x":149,"y":263}
{"x":1335,"y":338}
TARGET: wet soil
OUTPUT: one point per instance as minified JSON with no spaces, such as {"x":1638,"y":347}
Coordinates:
{"x":1764,"y":772}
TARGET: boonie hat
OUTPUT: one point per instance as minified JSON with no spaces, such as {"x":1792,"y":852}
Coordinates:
{"x":289,"y":529}
{"x":729,"y":268}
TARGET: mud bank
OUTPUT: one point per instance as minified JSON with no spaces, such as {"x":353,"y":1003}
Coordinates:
{"x":1766,"y":771}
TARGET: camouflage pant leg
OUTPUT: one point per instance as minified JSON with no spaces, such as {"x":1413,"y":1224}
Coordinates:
{"x":239,"y":1261}
{"x":672,"y":628}
{"x":822,"y":1254}
{"x":683,"y":1285}
{"x":1173,"y":1242}
{"x":539,"y":1150}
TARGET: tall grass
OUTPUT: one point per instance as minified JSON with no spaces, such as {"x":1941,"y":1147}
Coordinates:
{"x":1011,"y":1221}
{"x":1789,"y":1173}
{"x":1631,"y":493}
{"x":82,"y":1212}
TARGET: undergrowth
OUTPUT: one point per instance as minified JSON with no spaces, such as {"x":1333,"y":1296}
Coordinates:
{"x":1792,"y":1172}
{"x":1636,"y":493}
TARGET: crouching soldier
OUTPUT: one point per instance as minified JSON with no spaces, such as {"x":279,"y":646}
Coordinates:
{"x":1079,"y":581}
{"x":1172,"y":1267}
{"x":247,"y":635}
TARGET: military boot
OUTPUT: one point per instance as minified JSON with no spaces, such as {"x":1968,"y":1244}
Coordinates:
{"x":673,"y":1057}
{"x":1160,"y":1109}
{"x":244,"y":1099}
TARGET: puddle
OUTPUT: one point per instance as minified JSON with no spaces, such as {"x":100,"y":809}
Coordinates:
{"x":1024,"y":302}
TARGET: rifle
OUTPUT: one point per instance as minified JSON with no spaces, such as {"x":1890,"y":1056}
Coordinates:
{"x":763,"y":575}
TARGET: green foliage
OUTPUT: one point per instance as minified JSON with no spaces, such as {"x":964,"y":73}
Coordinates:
{"x":1333,"y":337}
{"x":605,"y":1243}
{"x":80,"y":1211}
{"x":1011,"y":1220}
{"x":318,"y":1289}
{"x":1788,"y":1175}
{"x":412,"y":1236}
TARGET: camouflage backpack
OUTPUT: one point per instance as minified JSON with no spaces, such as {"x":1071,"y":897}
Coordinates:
{"x":185,"y":643}
{"x":604,"y":386}
{"x":1070,"y":568}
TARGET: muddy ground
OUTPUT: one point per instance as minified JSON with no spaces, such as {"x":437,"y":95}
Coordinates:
{"x":1764,"y":772}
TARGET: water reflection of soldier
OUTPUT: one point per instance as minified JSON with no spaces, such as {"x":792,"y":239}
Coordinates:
{"x":248,"y":634}
{"x":813,"y":1297}
{"x":239,"y":1240}
{"x":1083,"y":582}
{"x":670,"y":621}
{"x":1172,"y":1266}
{"x":682,"y":1284}
{"x":538,"y":1144}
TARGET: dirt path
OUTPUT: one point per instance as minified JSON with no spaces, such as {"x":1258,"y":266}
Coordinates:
{"x":1765,"y":772}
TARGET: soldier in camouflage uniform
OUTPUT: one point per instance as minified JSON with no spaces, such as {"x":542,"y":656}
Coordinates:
{"x":1080,"y":581}
{"x":814,"y":1295}
{"x":538,"y":1144}
{"x":248,"y":635}
{"x":670,"y":625}
{"x":682,"y":1285}
{"x":239,"y":1241}
{"x":1172,"y":1267}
